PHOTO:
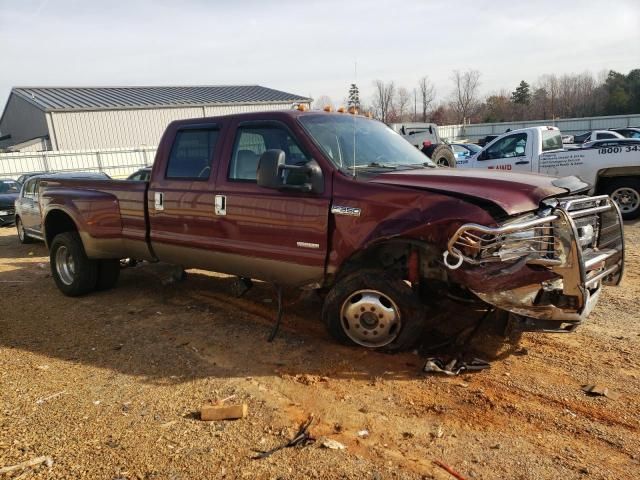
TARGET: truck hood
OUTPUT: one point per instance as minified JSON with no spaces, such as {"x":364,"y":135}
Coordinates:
{"x":513,"y":192}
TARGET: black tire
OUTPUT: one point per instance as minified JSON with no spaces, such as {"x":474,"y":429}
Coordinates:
{"x":443,"y":156}
{"x":625,"y":191}
{"x":22,"y":235}
{"x":82,"y":278}
{"x":108,"y":273}
{"x":396,"y":292}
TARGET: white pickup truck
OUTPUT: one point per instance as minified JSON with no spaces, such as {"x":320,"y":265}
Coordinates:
{"x":611,"y":167}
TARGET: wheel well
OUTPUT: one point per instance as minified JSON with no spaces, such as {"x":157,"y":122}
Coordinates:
{"x":57,"y":222}
{"x":608,"y":175}
{"x":392,"y":256}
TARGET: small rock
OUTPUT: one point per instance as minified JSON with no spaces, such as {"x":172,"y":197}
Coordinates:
{"x":496,"y":446}
{"x":363,"y":434}
{"x":332,"y":444}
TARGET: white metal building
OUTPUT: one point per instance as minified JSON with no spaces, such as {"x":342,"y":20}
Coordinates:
{"x":93,"y":118}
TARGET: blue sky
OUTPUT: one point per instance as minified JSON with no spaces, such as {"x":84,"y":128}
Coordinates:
{"x":310,"y":47}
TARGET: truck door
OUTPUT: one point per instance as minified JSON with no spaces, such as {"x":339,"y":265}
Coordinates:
{"x":181,"y":194}
{"x":275,"y":235}
{"x":511,"y":152}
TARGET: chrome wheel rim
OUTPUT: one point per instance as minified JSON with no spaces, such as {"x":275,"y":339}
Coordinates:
{"x":65,"y":265}
{"x":370,"y":318}
{"x":20,"y":230}
{"x":627,"y":199}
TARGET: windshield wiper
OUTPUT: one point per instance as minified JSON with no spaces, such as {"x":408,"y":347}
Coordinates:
{"x":377,"y":165}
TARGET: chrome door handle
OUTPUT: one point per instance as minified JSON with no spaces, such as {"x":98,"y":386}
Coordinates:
{"x":220,"y":205}
{"x":159,"y":200}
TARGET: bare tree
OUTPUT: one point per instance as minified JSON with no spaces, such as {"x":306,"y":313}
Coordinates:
{"x":427,"y":95}
{"x":323,"y":101}
{"x":465,"y":93}
{"x":402,"y":103}
{"x":383,"y":99}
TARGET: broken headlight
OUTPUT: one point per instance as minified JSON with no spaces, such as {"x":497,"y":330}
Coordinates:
{"x":528,"y":236}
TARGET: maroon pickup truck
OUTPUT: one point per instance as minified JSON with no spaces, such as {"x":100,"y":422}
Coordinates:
{"x":343,"y":204}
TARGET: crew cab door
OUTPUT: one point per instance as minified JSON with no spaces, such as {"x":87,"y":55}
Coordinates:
{"x":275,"y":235}
{"x":181,"y":194}
{"x":511,"y":152}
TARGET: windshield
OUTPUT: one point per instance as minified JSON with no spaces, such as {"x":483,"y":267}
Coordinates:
{"x":373,"y":144}
{"x":9,"y":186}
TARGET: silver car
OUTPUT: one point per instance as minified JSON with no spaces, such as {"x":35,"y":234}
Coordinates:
{"x":28,"y":218}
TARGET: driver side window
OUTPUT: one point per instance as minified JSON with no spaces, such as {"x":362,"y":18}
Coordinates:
{"x":252,"y":142}
{"x":192,"y":154}
{"x":511,"y":146}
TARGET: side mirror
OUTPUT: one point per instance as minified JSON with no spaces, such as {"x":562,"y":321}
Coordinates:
{"x":482,"y":155}
{"x":273,"y":172}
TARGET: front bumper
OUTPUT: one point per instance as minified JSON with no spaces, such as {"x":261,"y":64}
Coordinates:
{"x":7,"y":217}
{"x":582,"y":250}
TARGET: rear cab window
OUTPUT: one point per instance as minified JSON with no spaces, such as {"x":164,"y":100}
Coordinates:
{"x":551,"y":140}
{"x":191,"y":156}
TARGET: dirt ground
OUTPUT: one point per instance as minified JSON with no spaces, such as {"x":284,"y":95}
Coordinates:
{"x":109,"y":385}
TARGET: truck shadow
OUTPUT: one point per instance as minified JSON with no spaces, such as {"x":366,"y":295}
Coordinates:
{"x":169,"y":332}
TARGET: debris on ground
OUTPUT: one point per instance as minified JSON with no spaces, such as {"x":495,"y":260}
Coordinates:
{"x":600,"y":391}
{"x":301,"y":439}
{"x":223,"y":412}
{"x":454,"y":366}
{"x":450,"y":470}
{"x":332,"y":444}
{"x":40,"y":401}
{"x":363,"y":433}
{"x":48,"y":461}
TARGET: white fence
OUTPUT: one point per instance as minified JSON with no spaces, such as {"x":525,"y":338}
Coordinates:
{"x":569,"y":126}
{"x":117,"y":163}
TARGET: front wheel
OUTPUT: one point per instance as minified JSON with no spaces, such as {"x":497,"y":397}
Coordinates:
{"x":625,"y":191}
{"x":22,"y":235}
{"x":73,"y":272}
{"x":374,"y":310}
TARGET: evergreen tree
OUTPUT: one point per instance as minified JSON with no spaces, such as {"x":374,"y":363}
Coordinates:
{"x":522,"y":94}
{"x":354,"y":96}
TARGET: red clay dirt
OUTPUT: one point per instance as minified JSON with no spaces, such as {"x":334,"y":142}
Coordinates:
{"x":109,"y":386}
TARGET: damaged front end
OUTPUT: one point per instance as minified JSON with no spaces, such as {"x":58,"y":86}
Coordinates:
{"x":547,"y":267}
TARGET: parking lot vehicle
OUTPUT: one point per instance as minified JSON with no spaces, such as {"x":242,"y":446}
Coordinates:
{"x":613,"y":142}
{"x":343,"y":204}
{"x":628,"y":132}
{"x":27,"y":208}
{"x":425,"y":137}
{"x":596,"y":135}
{"x":8,"y":194}
{"x":141,"y":175}
{"x":610,"y":170}
{"x":23,"y":178}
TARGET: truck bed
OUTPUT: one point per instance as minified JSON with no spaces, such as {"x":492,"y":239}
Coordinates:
{"x":112,"y":214}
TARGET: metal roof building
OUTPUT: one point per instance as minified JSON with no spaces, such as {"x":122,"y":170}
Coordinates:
{"x":85,"y":118}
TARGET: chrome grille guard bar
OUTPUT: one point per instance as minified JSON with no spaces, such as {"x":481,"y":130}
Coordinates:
{"x":460,"y":257}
